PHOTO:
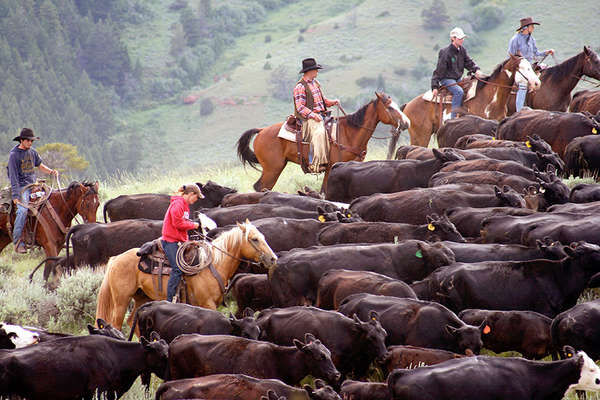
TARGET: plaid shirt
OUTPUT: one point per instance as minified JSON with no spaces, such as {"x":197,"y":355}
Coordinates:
{"x":319,"y":100}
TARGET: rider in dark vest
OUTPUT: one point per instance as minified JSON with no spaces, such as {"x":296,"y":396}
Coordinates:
{"x":310,"y":106}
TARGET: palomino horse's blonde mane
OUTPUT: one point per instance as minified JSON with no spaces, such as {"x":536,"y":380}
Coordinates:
{"x":229,"y":240}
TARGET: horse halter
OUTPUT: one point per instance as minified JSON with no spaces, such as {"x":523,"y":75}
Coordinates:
{"x":259,"y":251}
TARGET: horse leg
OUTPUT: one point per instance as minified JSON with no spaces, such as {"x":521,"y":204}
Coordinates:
{"x":270,"y":175}
{"x":52,"y":272}
{"x":4,"y":240}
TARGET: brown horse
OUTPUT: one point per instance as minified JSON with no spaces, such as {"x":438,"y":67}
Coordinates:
{"x":353,"y":133}
{"x":489,"y":102}
{"x":124,"y":281}
{"x":559,"y":80}
{"x":78,"y":198}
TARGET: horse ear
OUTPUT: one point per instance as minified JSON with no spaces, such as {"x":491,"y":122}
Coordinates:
{"x":378,"y":95}
{"x":96,"y":185}
{"x":586,"y":50}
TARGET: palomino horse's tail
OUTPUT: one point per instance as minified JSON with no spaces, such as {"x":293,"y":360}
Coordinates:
{"x":243,"y":148}
{"x":104,"y":307}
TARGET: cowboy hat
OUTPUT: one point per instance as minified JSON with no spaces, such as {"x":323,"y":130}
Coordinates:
{"x":526,"y":21}
{"x":26,"y":133}
{"x":309,"y":64}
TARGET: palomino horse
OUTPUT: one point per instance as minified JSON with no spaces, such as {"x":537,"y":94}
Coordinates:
{"x":559,"y":80}
{"x":353,"y":133}
{"x":489,"y":101}
{"x":124,"y":281}
{"x":78,"y":198}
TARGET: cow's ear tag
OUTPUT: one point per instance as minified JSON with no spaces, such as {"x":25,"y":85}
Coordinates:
{"x":487,"y":330}
{"x":493,"y":137}
{"x":321,"y":218}
{"x":349,"y":215}
{"x":100,"y":326}
{"x":431,"y":227}
{"x":528,"y":144}
{"x":419,"y":254}
{"x":569,"y":355}
{"x":594,"y":131}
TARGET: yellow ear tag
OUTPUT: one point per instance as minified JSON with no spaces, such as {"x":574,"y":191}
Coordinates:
{"x":594,"y":131}
{"x":493,"y":138}
{"x":321,"y":218}
{"x":487,"y":330}
{"x":569,"y":355}
{"x":349,"y":215}
{"x":431,"y":227}
{"x":100,"y":326}
{"x":374,"y":319}
{"x":528,"y":144}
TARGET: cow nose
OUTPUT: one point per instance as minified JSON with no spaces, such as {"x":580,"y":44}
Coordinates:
{"x":469,"y":353}
{"x":337,"y":376}
{"x":597,"y":381}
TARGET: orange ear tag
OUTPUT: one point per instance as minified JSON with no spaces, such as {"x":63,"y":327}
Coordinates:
{"x":487,"y":330}
{"x":321,"y":218}
{"x":431,"y":227}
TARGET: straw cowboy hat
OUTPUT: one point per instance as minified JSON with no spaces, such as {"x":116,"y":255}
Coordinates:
{"x":527,"y":21}
{"x":26,"y":133}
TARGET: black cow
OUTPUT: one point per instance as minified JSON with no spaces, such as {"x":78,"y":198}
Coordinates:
{"x":585,"y":229}
{"x":154,"y":205}
{"x":585,"y":208}
{"x":527,"y":332}
{"x":356,"y":390}
{"x":79,"y":367}
{"x":413,"y":206}
{"x":240,"y":387}
{"x":556,"y":128}
{"x":93,"y":244}
{"x":299,"y":201}
{"x":545,"y":286}
{"x":488,"y":164}
{"x":436,"y":229}
{"x":353,"y":343}
{"x":467,"y":220}
{"x":515,"y":182}
{"x":475,"y":252}
{"x":585,"y":193}
{"x":337,"y":284}
{"x":579,"y":327}
{"x":230,"y":215}
{"x":406,"y":356}
{"x":295,"y":278}
{"x":352,"y":179}
{"x":170,"y":320}
{"x":481,"y":377}
{"x":456,"y":128}
{"x":192,"y":355}
{"x":526,"y":157}
{"x":250,"y":291}
{"x":582,"y":155}
{"x":533,"y":143}
{"x":417,"y":322}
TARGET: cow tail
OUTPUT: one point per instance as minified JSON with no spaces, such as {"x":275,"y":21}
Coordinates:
{"x":574,"y":162}
{"x":555,"y":350}
{"x":68,"y":260}
{"x":104,"y":210}
{"x":244,"y":152}
{"x":39,"y":265}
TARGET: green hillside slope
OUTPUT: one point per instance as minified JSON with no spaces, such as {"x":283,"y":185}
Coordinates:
{"x":380,"y":42}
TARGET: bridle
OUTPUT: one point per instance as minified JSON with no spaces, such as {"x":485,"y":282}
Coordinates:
{"x":395,"y":130}
{"x":518,"y":71}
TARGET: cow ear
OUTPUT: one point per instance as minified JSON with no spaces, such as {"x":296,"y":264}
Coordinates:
{"x":101,"y":323}
{"x":154,"y":336}
{"x":299,"y":345}
{"x":200,"y":185}
{"x":320,"y":383}
{"x":569,"y":250}
{"x":451,"y":330}
{"x":309,"y":390}
{"x":91,"y":329}
{"x":356,"y":319}
{"x":505,"y":188}
{"x":320,"y":210}
{"x":429,"y":219}
{"x":232,"y":318}
{"x":144,"y":341}
{"x":438,"y":154}
{"x":373,"y":315}
{"x":569,"y":351}
{"x":497,"y":191}
{"x":309,"y":338}
{"x":248,"y":312}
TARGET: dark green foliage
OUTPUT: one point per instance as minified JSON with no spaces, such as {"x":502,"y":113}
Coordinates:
{"x":366,"y":82}
{"x":281,"y":83}
{"x":206,"y":107}
{"x":484,"y":18}
{"x":267,"y":38}
{"x":436,"y":16}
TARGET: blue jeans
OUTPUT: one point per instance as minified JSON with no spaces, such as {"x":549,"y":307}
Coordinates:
{"x":21,"y":217}
{"x":457,"y":94}
{"x":521,"y":95}
{"x":170,"y":249}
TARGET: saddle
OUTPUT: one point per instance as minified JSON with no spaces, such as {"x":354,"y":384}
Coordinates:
{"x":153,"y":260}
{"x":469,"y":86}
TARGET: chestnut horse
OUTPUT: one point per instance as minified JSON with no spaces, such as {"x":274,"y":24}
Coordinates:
{"x":77,"y":198}
{"x":353,"y":133}
{"x":489,"y":101}
{"x":124,"y":281}
{"x":559,"y":80}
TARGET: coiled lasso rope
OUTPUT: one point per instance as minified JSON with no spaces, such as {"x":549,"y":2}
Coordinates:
{"x":204,"y":257}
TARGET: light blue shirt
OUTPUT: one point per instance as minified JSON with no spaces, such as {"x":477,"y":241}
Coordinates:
{"x":525,"y":44}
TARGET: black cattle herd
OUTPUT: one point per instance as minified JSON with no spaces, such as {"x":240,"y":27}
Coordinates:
{"x":430,"y":258}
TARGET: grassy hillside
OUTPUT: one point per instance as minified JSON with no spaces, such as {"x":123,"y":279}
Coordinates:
{"x":356,"y":39}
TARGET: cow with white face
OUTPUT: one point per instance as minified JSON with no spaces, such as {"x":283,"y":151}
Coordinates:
{"x":589,"y":378}
{"x":15,"y":337}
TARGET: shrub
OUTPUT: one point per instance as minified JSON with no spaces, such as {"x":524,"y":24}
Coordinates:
{"x":436,"y":16}
{"x":365,"y":82}
{"x":267,"y":66}
{"x":400,"y":71}
{"x":484,"y":18}
{"x":206,"y":107}
{"x":178,"y":5}
{"x":281,"y":83}
{"x":25,"y":303}
{"x":267,"y":38}
{"x":268,"y":56}
{"x":76,"y":299}
{"x":300,"y":38}
{"x":383,"y":14}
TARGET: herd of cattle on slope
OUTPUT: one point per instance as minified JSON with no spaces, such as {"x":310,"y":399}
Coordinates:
{"x":436,"y":255}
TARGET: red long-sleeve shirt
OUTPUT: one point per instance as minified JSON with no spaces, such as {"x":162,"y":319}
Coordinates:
{"x":176,"y":222}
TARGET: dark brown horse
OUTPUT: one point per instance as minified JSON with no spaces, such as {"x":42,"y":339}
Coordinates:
{"x":559,"y":80}
{"x":78,"y":198}
{"x":489,"y":102}
{"x":353,"y":133}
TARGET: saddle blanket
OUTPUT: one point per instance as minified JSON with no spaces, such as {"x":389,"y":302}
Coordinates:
{"x":428,"y":95}
{"x":287,"y":135}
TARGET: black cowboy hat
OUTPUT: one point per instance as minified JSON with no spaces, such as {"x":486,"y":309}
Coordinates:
{"x":309,"y":64}
{"x":26,"y":133}
{"x":526,"y":21}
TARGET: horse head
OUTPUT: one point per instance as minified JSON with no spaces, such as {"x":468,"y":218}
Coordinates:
{"x":591,"y":65}
{"x":389,"y":113}
{"x":255,"y":247}
{"x":524,"y":73}
{"x":88,"y":202}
